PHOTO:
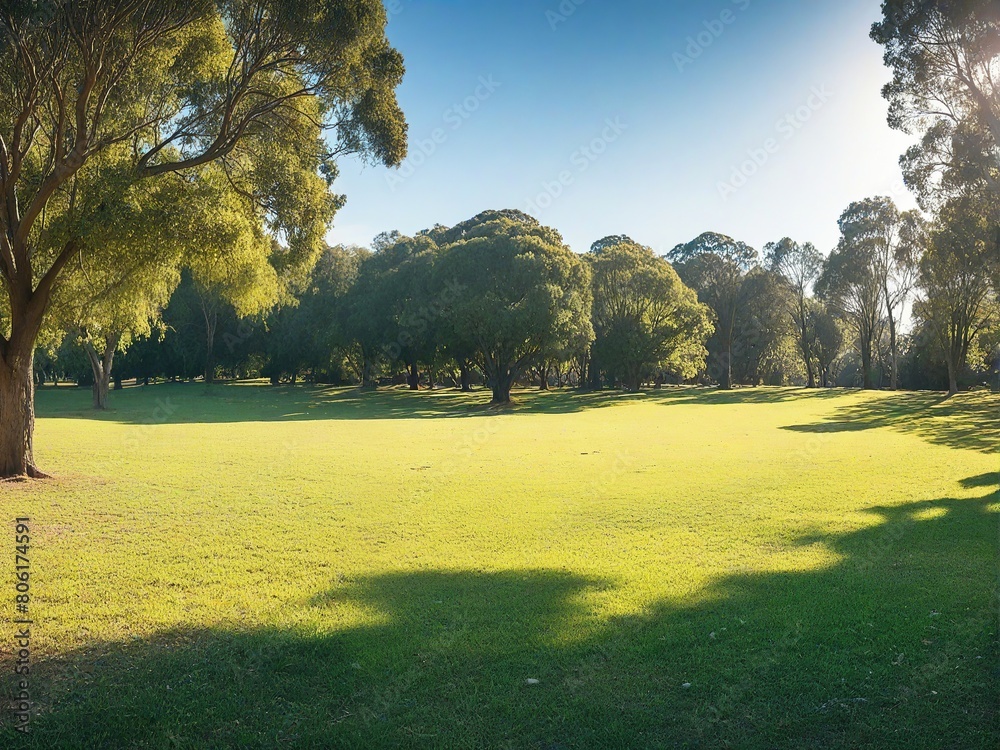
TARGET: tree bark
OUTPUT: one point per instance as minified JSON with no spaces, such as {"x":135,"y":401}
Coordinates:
{"x":368,"y":373}
{"x":501,"y":386}
{"x":803,"y":324}
{"x":594,"y":375}
{"x":466,"y":376}
{"x":952,"y":377}
{"x":893,"y":348}
{"x":17,"y":418}
{"x":101,"y":363}
{"x":866,"y":368}
{"x":726,"y":371}
{"x":211,"y":314}
{"x":413,"y":377}
{"x":544,"y":378}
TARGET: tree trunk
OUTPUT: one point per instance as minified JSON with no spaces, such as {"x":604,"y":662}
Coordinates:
{"x":501,"y":385}
{"x":594,"y":375}
{"x":368,"y":373}
{"x":211,"y":323}
{"x":100,"y":390}
{"x":726,"y":371}
{"x":466,"y":377}
{"x":413,"y":377}
{"x":101,"y":364}
{"x":17,"y":417}
{"x":952,"y":377}
{"x":544,"y":378}
{"x":803,"y":324}
{"x":866,"y":368}
{"x":894,"y":350}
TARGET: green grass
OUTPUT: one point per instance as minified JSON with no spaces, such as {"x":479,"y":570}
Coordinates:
{"x":257,"y":567}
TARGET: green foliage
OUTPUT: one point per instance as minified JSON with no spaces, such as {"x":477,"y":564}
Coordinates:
{"x":645,"y":320}
{"x":957,"y":304}
{"x":944,"y":56}
{"x":716,"y":266}
{"x":518,"y":294}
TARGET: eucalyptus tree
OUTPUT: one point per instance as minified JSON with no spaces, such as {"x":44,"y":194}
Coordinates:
{"x":173,"y":88}
{"x":851,"y":286}
{"x":956,"y":301}
{"x":518,"y":294}
{"x":799,"y":265}
{"x":407,"y":303}
{"x":716,"y":267}
{"x":945,"y":60}
{"x":875,"y":232}
{"x":764,"y":347}
{"x":827,"y":334}
{"x":645,"y":320}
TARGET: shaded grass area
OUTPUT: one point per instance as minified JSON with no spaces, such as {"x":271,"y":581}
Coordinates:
{"x":878,"y":651}
{"x":688,"y":569}
{"x":969,"y":421}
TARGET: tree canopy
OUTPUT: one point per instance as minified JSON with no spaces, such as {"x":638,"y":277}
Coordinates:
{"x":259,"y":96}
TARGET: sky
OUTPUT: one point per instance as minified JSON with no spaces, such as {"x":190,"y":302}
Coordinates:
{"x":659,"y":119}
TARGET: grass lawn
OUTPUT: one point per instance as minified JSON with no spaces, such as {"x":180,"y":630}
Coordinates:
{"x":258,"y":567}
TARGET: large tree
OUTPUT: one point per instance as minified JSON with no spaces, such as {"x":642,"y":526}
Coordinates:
{"x":799,"y":266}
{"x":310,"y":333}
{"x":874,"y":232}
{"x":853,"y":282}
{"x":645,"y":320}
{"x":406,"y":307}
{"x":716,"y":266}
{"x":764,"y":349}
{"x":945,"y":59}
{"x":955,"y":284}
{"x":827,"y":334}
{"x":173,"y":87}
{"x":517,"y":295}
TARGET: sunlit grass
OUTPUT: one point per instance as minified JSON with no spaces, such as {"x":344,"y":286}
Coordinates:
{"x":324,"y":567}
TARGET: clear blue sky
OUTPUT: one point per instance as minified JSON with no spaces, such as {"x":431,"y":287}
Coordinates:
{"x":660,"y":119}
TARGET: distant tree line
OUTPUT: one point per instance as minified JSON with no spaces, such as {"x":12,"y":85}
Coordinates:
{"x":500,"y":300}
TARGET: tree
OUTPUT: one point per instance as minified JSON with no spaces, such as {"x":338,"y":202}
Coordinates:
{"x":518,"y":294}
{"x":406,"y":306}
{"x":716,"y":266}
{"x":645,"y":319}
{"x":944,"y":55}
{"x":852,"y":284}
{"x":363,"y":322}
{"x":764,"y":349}
{"x":310,"y":333}
{"x":800,"y":267}
{"x":890,"y":241}
{"x":955,"y":282}
{"x":107,"y":305}
{"x":173,"y":88}
{"x":827,"y":334}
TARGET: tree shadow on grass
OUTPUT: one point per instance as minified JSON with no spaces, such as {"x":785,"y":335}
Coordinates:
{"x":968,"y":421}
{"x":892,"y":646}
{"x":194,"y":403}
